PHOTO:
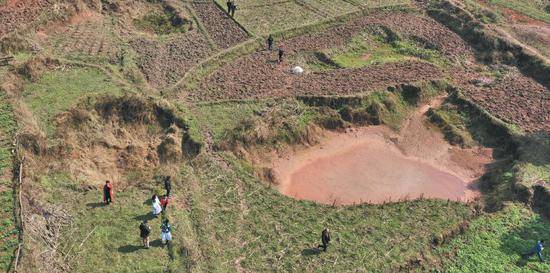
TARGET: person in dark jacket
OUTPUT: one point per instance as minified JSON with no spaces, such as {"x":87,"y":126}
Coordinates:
{"x":281,"y":54}
{"x":536,"y":249}
{"x":325,"y":239}
{"x":233,"y":9}
{"x":229,"y":5}
{"x":167,"y":185}
{"x":107,"y":193}
{"x":144,"y":232}
{"x":166,"y":232}
{"x":270,"y":42}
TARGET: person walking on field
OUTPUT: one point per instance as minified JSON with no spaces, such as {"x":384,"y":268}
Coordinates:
{"x":325,"y":239}
{"x":270,"y":42}
{"x":229,"y":5}
{"x":281,"y":53}
{"x":167,"y":185}
{"x":107,"y":193}
{"x":144,"y":232}
{"x":233,"y":9}
{"x":166,"y":232}
{"x":157,"y":209}
{"x":536,"y":249}
{"x":164,"y":202}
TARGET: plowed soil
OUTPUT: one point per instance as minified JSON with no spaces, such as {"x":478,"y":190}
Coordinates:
{"x":253,"y":78}
{"x":220,"y":26}
{"x":164,"y":63}
{"x":408,"y":25}
{"x":17,"y":13}
{"x":376,"y":165}
{"x":259,"y":75}
{"x":514,"y":98}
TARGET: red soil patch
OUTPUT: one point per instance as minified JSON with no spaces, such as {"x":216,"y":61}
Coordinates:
{"x":365,"y":57}
{"x":375,"y":165}
{"x":220,"y":26}
{"x":518,"y":17}
{"x":514,"y":98}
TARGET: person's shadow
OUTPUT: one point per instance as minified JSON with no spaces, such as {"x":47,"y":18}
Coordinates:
{"x":95,"y":205}
{"x":147,"y":216}
{"x":310,"y":251}
{"x":155,"y":243}
{"x":129,"y":248}
{"x":134,"y":248}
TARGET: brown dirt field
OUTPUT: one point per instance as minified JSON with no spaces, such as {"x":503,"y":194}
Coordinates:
{"x":409,"y":25}
{"x":225,"y":32}
{"x":376,"y":165}
{"x":17,"y":13}
{"x":259,"y":75}
{"x":514,"y":98}
{"x":164,"y":63}
{"x":253,"y":78}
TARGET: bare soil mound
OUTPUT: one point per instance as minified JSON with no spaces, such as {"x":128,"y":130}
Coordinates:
{"x":122,"y":139}
{"x":225,"y":32}
{"x":377,"y":165}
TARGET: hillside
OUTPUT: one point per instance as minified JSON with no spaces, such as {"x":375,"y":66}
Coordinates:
{"x":418,"y":132}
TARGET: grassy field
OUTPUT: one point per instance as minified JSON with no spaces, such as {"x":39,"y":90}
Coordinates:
{"x":494,"y":243}
{"x":366,"y":50}
{"x":225,"y":216}
{"x":8,"y":230}
{"x":56,"y":91}
{"x":262,"y":20}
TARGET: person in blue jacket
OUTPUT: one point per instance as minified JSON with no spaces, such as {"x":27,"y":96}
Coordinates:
{"x":536,"y":249}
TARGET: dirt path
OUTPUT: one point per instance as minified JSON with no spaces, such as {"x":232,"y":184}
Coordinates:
{"x":375,"y":165}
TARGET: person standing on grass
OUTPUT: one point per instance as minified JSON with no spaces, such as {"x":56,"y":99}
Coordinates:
{"x":233,"y":9}
{"x":157,"y":209}
{"x":229,"y":5}
{"x":167,"y":185}
{"x":536,"y":249}
{"x":270,"y":42}
{"x":166,"y":232}
{"x":107,"y":193}
{"x":164,"y":202}
{"x":281,"y":53}
{"x":144,"y":232}
{"x":325,"y":239}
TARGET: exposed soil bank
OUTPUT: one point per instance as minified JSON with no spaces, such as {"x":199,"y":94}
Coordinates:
{"x":375,"y":165}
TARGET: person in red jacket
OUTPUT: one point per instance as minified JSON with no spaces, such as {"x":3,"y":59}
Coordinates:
{"x":108,"y":193}
{"x":164,"y":202}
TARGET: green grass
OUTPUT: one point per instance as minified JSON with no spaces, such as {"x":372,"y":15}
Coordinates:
{"x":380,"y":3}
{"x":162,"y":23}
{"x":364,"y":50}
{"x":494,"y":243}
{"x":8,"y":230}
{"x":533,"y":8}
{"x":271,"y":18}
{"x":279,"y":234}
{"x":56,"y":91}
{"x":260,"y":122}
